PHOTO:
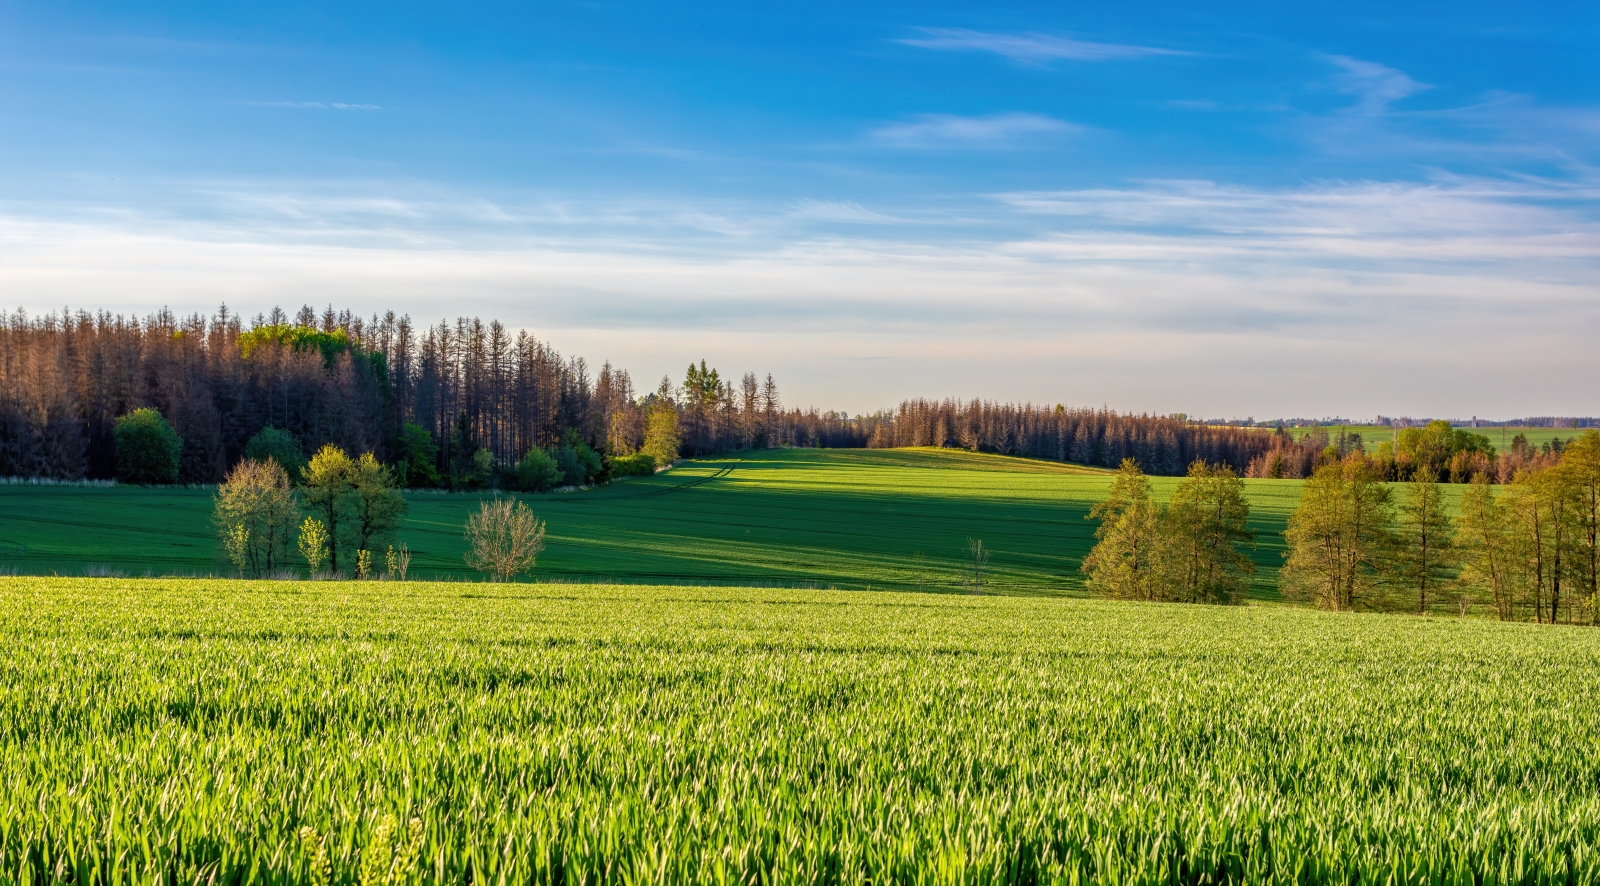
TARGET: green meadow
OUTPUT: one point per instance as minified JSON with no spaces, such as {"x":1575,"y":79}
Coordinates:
{"x":180,"y":731}
{"x":849,"y":519}
{"x":1499,"y":438}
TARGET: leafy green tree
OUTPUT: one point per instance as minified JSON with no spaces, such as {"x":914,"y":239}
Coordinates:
{"x":329,"y":482}
{"x":1126,"y":559}
{"x":536,"y":472}
{"x":279,"y":446}
{"x":376,"y":505}
{"x":255,"y":514}
{"x":1544,"y":509}
{"x":147,"y":448}
{"x":1339,"y":535}
{"x":661,"y":435}
{"x":1485,"y":547}
{"x":1580,"y":462}
{"x":419,"y":456}
{"x":1424,"y":553}
{"x":1204,"y":530}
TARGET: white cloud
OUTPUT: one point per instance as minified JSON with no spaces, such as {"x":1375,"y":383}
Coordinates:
{"x":1029,"y":48}
{"x":935,"y":131}
{"x":1352,"y":298}
{"x":1375,"y":86}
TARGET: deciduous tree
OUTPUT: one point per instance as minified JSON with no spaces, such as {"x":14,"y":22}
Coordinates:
{"x":1424,"y":554}
{"x":504,"y":538}
{"x":1339,"y":535}
{"x":255,"y":513}
{"x":1204,"y":529}
{"x":1126,"y":559}
{"x":329,"y":482}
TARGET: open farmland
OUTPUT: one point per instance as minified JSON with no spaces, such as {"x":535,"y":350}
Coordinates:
{"x":1499,"y":438}
{"x":845,"y":518}
{"x":180,"y":731}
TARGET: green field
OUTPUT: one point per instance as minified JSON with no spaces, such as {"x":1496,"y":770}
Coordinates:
{"x":792,"y":517}
{"x":184,"y":731}
{"x":1499,"y":438}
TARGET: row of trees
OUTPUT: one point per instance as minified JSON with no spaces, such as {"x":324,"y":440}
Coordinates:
{"x":1528,"y":549}
{"x":335,"y":510}
{"x":1438,"y":450}
{"x":455,"y":405}
{"x":1190,"y":550}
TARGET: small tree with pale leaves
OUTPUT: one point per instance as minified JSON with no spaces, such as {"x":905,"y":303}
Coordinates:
{"x":504,"y":538}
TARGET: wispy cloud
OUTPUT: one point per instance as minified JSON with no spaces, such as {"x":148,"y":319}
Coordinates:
{"x":335,"y":106}
{"x":1029,"y":48}
{"x":1375,"y":86}
{"x":847,"y":211}
{"x":935,"y":131}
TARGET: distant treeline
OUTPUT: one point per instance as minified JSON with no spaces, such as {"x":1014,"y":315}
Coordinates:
{"x":1164,"y":445}
{"x":456,"y":404}
{"x":380,"y":385}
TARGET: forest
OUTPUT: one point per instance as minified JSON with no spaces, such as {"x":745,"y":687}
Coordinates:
{"x":463,"y":404}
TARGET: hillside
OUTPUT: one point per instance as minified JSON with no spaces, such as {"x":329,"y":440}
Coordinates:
{"x":828,"y":518}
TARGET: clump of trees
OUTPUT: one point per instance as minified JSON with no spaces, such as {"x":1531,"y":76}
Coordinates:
{"x":1526,"y":549}
{"x":351,"y":506}
{"x":148,"y":449}
{"x":1191,"y":550}
{"x":1439,"y":451}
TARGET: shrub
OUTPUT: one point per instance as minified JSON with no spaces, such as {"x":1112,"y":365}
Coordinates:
{"x":279,"y":446}
{"x":147,"y":448}
{"x":504,"y":538}
{"x":637,"y":465}
{"x":536,"y":472}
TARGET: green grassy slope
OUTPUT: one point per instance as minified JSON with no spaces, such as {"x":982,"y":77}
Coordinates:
{"x":1499,"y":438}
{"x":844,"y":518}
{"x":184,"y":731}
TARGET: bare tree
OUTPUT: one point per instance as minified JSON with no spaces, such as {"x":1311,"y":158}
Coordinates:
{"x":979,"y":557}
{"x":504,"y":538}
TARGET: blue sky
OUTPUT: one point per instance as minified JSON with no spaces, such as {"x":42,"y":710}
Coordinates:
{"x":1225,"y":209}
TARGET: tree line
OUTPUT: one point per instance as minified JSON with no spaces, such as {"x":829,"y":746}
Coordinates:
{"x":457,"y":405}
{"x":1528,"y":549}
{"x":469,"y":405}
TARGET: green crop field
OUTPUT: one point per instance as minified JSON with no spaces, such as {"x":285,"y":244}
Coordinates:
{"x":1499,"y":438}
{"x":844,"y":518}
{"x":190,"y":731}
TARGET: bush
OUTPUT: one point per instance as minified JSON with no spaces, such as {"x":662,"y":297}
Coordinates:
{"x":147,"y":448}
{"x":636,"y":465}
{"x":536,"y":472}
{"x":504,"y":538}
{"x":280,"y":447}
{"x":581,"y":465}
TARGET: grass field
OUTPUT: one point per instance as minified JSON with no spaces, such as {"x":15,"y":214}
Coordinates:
{"x":185,"y":731}
{"x":1499,"y":438}
{"x":843,"y":518}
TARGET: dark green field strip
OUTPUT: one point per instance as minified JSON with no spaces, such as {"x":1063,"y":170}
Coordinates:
{"x":850,"y":519}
